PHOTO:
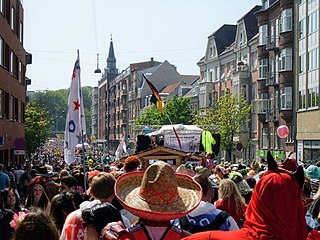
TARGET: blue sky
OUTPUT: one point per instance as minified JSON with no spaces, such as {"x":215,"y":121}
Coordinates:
{"x":173,"y":30}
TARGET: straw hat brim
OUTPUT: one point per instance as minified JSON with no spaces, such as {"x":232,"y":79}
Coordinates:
{"x":127,"y":190}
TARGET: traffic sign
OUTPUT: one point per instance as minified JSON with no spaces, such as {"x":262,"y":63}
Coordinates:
{"x":19,"y":144}
{"x":19,"y":152}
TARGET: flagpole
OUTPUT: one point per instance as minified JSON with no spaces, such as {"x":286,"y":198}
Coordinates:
{"x":175,"y":132}
{"x":83,"y":162}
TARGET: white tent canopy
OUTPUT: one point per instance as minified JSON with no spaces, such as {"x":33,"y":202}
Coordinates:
{"x":180,"y":128}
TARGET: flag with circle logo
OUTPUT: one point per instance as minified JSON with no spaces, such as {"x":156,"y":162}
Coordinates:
{"x":75,"y":121}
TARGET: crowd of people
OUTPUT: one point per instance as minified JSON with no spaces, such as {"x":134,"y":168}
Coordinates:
{"x":47,"y":199}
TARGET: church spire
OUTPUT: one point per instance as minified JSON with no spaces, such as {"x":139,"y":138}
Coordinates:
{"x":111,"y":60}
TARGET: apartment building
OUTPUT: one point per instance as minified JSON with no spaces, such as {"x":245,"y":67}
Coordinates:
{"x":13,"y":83}
{"x":307,"y":80}
{"x":108,"y":74}
{"x":230,"y":65}
{"x":276,"y":76}
{"x":94,"y":112}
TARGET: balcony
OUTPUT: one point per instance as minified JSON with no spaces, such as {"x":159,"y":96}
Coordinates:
{"x":271,"y":79}
{"x":272,"y":43}
{"x":260,"y":106}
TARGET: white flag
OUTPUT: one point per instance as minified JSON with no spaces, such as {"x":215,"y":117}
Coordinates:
{"x":122,"y":148}
{"x":75,"y":121}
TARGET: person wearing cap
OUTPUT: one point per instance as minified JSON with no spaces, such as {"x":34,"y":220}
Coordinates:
{"x":156,"y":196}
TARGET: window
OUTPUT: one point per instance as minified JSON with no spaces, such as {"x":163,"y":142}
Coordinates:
{"x":11,"y":66}
{"x":254,"y":123}
{"x":210,"y":75}
{"x":1,"y":6}
{"x":254,"y":60}
{"x":290,"y":138}
{"x":263,"y":102}
{"x":286,"y":20}
{"x":286,"y":98}
{"x":302,"y":99}
{"x":313,"y":59}
{"x":265,"y":4}
{"x":20,"y":32}
{"x":313,"y":97}
{"x":263,"y":33}
{"x":302,"y":63}
{"x":244,"y":91}
{"x":1,"y":51}
{"x":13,"y":17}
{"x":265,"y":139}
{"x":1,"y":102}
{"x":263,"y":68}
{"x":11,"y":106}
{"x":285,"y":61}
{"x":313,"y":22}
{"x":254,"y":91}
{"x":216,"y":74}
{"x":302,"y":28}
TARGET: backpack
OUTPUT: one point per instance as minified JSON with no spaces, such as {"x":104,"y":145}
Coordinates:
{"x":214,"y":225}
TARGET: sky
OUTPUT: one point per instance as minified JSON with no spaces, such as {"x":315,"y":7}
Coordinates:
{"x":173,"y":30}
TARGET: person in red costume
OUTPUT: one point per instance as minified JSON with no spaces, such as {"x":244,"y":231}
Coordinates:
{"x":275,"y":210}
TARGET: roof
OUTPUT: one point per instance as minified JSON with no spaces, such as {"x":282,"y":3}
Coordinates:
{"x":251,"y":23}
{"x":170,"y":88}
{"x":224,"y":36}
{"x":189,"y":79}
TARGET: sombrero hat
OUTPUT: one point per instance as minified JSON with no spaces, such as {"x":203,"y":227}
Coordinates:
{"x":158,"y":194}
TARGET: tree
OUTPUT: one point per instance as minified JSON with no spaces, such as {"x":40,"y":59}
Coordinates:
{"x":178,"y":109}
{"x":37,"y":127}
{"x":56,"y":102}
{"x":228,"y":117}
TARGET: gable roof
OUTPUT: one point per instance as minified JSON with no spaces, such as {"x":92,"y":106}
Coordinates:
{"x":250,"y":22}
{"x":224,"y":36}
{"x":170,"y":88}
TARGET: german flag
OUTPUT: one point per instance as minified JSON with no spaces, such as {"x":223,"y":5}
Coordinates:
{"x":155,"y":99}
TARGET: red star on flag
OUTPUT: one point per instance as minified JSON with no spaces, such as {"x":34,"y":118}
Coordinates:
{"x":76,"y":105}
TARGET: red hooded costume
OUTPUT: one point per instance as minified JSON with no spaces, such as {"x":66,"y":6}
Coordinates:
{"x":274,"y":212}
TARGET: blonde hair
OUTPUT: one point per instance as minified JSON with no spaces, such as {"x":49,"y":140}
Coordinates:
{"x":228,"y":190}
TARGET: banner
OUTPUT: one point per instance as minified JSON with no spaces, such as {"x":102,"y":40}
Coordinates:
{"x":189,"y":142}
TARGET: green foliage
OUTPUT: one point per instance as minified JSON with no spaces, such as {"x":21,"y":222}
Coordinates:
{"x":227,"y":117}
{"x":56,"y":103}
{"x":178,"y":109}
{"x":37,"y":127}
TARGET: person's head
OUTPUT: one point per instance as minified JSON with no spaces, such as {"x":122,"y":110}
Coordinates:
{"x":158,"y":194}
{"x":9,"y":199}
{"x":97,"y":217}
{"x":131,"y":163}
{"x":1,"y":167}
{"x":207,"y":191}
{"x":64,"y":173}
{"x":37,"y":193}
{"x":219,"y":171}
{"x":102,"y":187}
{"x":63,"y":204}
{"x":228,"y":191}
{"x":68,"y":183}
{"x":37,"y":224}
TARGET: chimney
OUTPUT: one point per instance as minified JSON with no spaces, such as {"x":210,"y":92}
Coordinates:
{"x":151,"y":62}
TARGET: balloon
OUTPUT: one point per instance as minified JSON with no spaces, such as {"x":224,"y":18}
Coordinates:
{"x":283,"y":131}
